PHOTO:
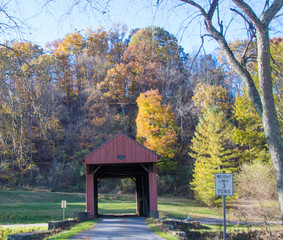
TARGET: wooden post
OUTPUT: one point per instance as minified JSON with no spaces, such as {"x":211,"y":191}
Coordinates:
{"x":95,"y":197}
{"x":90,"y":193}
{"x":138,"y":195}
{"x":146,"y":195}
{"x":153,"y":192}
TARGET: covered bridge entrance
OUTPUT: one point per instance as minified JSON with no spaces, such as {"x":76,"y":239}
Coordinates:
{"x":122,"y":157}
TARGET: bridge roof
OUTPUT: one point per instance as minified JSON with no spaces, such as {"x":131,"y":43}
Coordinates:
{"x":121,"y":149}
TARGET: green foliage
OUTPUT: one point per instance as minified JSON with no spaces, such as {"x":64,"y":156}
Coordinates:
{"x":163,"y":44}
{"x":276,"y":50}
{"x":210,"y":148}
{"x":5,"y":231}
{"x":249,"y":135}
{"x":128,"y":186}
{"x":73,"y":230}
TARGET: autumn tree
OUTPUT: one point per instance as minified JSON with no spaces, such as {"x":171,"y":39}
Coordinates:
{"x":210,"y":148}
{"x":16,"y":103}
{"x":277,"y":75}
{"x":156,"y":127}
{"x":249,"y":135}
{"x":152,"y":60}
{"x":207,"y":96}
{"x":262,"y":99}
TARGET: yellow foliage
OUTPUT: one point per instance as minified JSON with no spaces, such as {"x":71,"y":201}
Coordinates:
{"x":156,"y":125}
{"x":209,"y":148}
{"x":99,"y":121}
{"x":206,"y":96}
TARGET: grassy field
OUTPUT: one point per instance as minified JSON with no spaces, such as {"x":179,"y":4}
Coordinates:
{"x":37,"y":207}
{"x":41,"y":207}
{"x":180,"y":207}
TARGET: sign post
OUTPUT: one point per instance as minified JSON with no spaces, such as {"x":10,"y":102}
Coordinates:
{"x":224,"y":187}
{"x":63,"y":205}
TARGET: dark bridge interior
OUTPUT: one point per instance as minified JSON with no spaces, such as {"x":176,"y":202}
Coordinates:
{"x":138,"y":172}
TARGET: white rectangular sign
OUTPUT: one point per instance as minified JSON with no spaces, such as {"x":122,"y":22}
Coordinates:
{"x":63,"y":204}
{"x":224,"y":184}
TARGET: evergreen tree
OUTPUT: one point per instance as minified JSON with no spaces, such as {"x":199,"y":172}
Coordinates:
{"x":212,"y":152}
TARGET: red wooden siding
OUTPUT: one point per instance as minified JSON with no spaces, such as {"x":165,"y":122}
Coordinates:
{"x":90,"y":193}
{"x":152,"y":191}
{"x":121,"y":149}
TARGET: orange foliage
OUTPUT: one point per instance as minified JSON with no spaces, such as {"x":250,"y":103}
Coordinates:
{"x":156,"y":125}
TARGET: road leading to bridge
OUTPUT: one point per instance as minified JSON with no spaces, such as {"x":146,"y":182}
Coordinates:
{"x":133,"y":228}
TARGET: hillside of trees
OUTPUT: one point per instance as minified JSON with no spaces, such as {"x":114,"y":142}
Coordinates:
{"x":60,"y":102}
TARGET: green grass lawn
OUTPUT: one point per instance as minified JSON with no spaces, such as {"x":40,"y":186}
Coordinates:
{"x":41,"y":207}
{"x":167,"y":206}
{"x":73,"y":230}
{"x":37,"y":207}
{"x":120,"y":204}
{"x":180,"y":207}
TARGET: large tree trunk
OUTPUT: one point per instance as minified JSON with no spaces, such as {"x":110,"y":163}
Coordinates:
{"x":269,"y":117}
{"x":263,"y":101}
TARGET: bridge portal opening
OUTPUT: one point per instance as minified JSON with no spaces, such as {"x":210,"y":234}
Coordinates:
{"x":116,"y":197}
{"x":119,"y":158}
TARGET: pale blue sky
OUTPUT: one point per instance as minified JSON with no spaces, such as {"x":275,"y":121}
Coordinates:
{"x":50,"y":23}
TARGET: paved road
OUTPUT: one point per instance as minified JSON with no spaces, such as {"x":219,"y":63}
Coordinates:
{"x":133,"y":228}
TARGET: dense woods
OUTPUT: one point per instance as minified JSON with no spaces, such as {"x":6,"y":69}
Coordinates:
{"x":60,"y":102}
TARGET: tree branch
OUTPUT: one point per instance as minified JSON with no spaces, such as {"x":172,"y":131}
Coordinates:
{"x":248,"y":11}
{"x":220,"y":23}
{"x":242,"y":72}
{"x":17,"y":53}
{"x":270,"y":13}
{"x":212,"y":9}
{"x":202,"y":41}
{"x":197,"y":6}
{"x":251,"y":26}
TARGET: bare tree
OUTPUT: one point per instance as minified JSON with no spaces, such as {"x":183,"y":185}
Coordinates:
{"x":8,"y":22}
{"x":262,"y":99}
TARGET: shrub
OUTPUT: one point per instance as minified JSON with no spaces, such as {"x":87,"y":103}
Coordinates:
{"x":257,"y":181}
{"x":128,"y":186}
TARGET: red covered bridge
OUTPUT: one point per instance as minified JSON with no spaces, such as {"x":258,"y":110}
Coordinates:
{"x":123,"y":157}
